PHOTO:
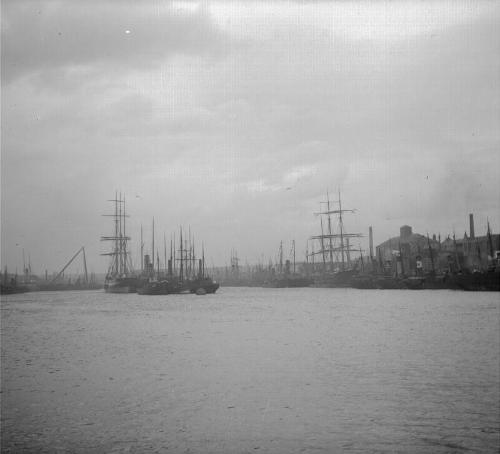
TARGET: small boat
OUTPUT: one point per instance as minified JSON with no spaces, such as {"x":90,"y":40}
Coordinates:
{"x":479,"y":281}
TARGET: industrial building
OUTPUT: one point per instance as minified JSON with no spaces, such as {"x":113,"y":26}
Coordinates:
{"x":413,"y":254}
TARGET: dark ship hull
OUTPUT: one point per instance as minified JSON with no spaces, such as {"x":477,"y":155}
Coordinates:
{"x":341,"y":279}
{"x":414,"y":283}
{"x":364,"y":281}
{"x":12,"y":289}
{"x":441,"y":282}
{"x":121,"y":285}
{"x":289,"y":282}
{"x":389,"y":283}
{"x":202,"y":285}
{"x":155,"y":288}
{"x":482,"y":281}
{"x":198,"y":286}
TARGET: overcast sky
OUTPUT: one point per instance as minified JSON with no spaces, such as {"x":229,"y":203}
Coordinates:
{"x":235,"y":118}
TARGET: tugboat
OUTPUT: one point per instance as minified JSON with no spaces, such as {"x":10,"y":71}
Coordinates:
{"x":120,"y":278}
{"x":287,"y":277}
{"x":202,"y":284}
{"x":183,"y":280}
{"x":152,"y":283}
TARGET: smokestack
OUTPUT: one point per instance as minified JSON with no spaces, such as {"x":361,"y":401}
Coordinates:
{"x":471,"y":223}
{"x":405,"y":232}
{"x":370,"y":235}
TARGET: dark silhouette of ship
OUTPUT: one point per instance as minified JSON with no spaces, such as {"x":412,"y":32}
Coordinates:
{"x":189,"y":276}
{"x":286,"y":275}
{"x":337,"y":267}
{"x":120,"y":277}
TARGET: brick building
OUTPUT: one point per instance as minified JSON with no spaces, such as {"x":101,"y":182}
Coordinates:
{"x":409,"y":253}
{"x":412,"y":254}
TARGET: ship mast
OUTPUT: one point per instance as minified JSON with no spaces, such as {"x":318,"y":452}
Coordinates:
{"x":181,"y":270}
{"x":165,"y":252}
{"x":490,"y":241}
{"x":142,"y":253}
{"x":456,"y":253}
{"x":344,"y":246}
{"x":329,"y":230}
{"x":341,"y":226}
{"x":430,"y":254}
{"x":125,"y":253}
{"x":153,"y":247}
{"x":281,"y":257}
{"x":119,"y":254}
{"x":117,"y":242}
{"x":203,"y":260}
{"x":323,"y":245}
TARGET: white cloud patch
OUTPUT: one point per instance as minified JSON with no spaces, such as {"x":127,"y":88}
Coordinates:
{"x":57,"y":36}
{"x":262,"y":186}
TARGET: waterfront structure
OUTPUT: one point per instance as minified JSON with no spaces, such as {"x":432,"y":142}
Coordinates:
{"x":408,"y":254}
{"x":413,"y":254}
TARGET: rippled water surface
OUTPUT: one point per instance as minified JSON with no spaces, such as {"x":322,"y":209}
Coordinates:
{"x":251,"y":370}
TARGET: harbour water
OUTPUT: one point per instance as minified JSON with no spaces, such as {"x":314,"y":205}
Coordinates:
{"x":251,"y":370}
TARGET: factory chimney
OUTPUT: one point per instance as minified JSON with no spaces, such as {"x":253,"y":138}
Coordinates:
{"x":370,"y":235}
{"x":405,"y":232}
{"x":471,"y":223}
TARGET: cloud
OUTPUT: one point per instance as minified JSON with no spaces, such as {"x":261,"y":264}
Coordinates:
{"x":211,"y":111}
{"x":58,"y":36}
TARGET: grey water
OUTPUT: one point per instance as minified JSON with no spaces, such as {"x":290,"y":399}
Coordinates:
{"x":251,"y":370}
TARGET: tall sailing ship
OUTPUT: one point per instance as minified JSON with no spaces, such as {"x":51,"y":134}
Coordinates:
{"x":120,"y":277}
{"x":337,"y":266}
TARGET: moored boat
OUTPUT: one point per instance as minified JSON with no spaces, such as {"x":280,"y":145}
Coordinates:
{"x":120,"y":278}
{"x":154,"y":287}
{"x":286,"y":275}
{"x":338,"y":267}
{"x":121,"y":284}
{"x":363,"y":281}
{"x":202,"y":285}
{"x":389,"y":282}
{"x":479,"y":281}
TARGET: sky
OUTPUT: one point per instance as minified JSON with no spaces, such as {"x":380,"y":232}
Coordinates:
{"x":236,"y":118}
